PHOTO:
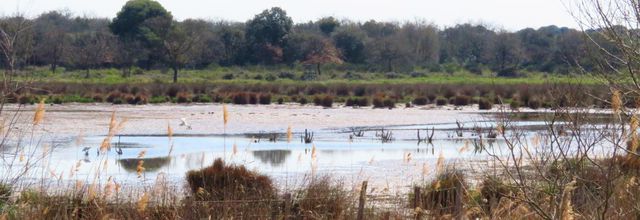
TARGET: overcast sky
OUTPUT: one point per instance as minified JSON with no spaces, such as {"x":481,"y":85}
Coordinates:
{"x":508,"y":14}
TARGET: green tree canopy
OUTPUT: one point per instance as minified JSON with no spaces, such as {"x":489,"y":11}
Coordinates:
{"x":144,"y":20}
{"x":328,"y":25}
{"x":269,"y":27}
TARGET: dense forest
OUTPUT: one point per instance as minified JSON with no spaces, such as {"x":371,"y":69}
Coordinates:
{"x":144,"y":35}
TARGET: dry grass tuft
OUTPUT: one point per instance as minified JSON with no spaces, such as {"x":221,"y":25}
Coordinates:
{"x":324,"y":199}
{"x":39,"y":115}
{"x":440,"y":195}
{"x":616,"y":101}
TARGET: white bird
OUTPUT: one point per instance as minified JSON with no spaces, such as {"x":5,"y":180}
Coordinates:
{"x":185,"y":123}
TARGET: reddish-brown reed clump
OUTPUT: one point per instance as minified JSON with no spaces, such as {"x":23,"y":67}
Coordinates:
{"x":229,"y":182}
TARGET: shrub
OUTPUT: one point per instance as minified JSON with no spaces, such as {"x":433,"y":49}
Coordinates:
{"x":359,"y":91}
{"x":271,"y":78}
{"x":534,"y":103}
{"x":26,"y":99}
{"x":514,"y":104}
{"x":420,"y":101}
{"x":485,"y":104}
{"x":113,"y":96}
{"x":389,"y":103}
{"x":116,"y":101}
{"x":265,"y":99}
{"x":378,"y":102}
{"x":303,"y":100}
{"x":253,"y":98}
{"x":241,"y":98}
{"x":461,"y":100}
{"x":363,"y":101}
{"x":357,"y":101}
{"x":201,"y":99}
{"x":280,"y":101}
{"x":440,"y":101}
{"x":229,"y":182}
{"x":173,"y":91}
{"x":350,"y":102}
{"x":286,"y":75}
{"x":130,"y":99}
{"x":142,"y":99}
{"x":228,"y":76}
{"x":183,"y":97}
{"x":327,"y":101}
{"x":97,"y":97}
{"x":159,"y":99}
{"x":492,"y":190}
{"x":58,"y":100}
{"x":324,"y":101}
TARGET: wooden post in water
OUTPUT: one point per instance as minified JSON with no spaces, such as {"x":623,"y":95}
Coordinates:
{"x":363,"y":194}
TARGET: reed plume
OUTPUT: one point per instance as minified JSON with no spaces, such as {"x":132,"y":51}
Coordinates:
{"x":634,"y":134}
{"x":1,"y":126}
{"x":566,"y":207}
{"x":142,"y":153}
{"x":114,"y":127}
{"x":616,"y":101}
{"x":235,"y":149}
{"x":142,"y":203}
{"x":108,"y":188}
{"x":425,"y":169}
{"x":225,"y":114}
{"x":112,"y":122}
{"x":140,"y":168}
{"x":440,"y":163}
{"x":39,"y":115}
{"x":313,"y":152}
{"x":407,"y":158}
{"x":464,"y":148}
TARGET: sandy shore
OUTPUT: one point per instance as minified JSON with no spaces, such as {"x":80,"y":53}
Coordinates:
{"x":93,"y":119}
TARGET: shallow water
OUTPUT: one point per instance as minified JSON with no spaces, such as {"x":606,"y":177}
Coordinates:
{"x":336,"y":152}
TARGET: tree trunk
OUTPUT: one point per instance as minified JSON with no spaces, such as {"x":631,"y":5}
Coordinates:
{"x":54,"y":65}
{"x":175,"y":74}
{"x":86,"y":76}
{"x":318,"y":69}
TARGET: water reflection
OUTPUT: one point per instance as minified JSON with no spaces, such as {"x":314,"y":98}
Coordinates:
{"x":150,"y":164}
{"x":274,"y":158}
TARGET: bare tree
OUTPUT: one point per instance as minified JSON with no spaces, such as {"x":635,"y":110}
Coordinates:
{"x":178,"y":43}
{"x":91,"y":50}
{"x":15,"y":44}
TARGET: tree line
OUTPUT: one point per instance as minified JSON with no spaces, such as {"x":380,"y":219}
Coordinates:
{"x":145,"y":35}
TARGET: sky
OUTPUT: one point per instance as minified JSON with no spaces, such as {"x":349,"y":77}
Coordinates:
{"x":501,"y":14}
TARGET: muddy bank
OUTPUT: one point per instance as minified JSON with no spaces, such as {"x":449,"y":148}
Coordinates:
{"x":93,"y":119}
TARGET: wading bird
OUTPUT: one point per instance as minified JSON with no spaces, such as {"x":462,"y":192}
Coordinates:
{"x":185,"y":123}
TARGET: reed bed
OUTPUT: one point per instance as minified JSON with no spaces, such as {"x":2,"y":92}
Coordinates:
{"x":380,"y":95}
{"x":550,"y":184}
